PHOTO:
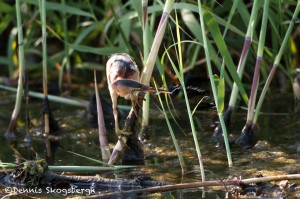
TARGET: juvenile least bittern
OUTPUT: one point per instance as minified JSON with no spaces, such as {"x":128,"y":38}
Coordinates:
{"x":121,"y":67}
{"x":123,"y":80}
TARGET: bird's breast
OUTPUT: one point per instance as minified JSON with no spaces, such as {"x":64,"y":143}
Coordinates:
{"x":123,"y":90}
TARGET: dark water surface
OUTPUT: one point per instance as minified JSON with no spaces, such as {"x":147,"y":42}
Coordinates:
{"x":276,"y":153}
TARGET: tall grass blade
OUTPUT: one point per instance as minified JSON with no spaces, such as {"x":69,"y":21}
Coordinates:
{"x":247,"y":138}
{"x":62,"y":8}
{"x":46,"y":114}
{"x":213,"y":86}
{"x":179,"y":74}
{"x":147,"y":72}
{"x":66,"y":49}
{"x":104,"y":163}
{"x":53,"y":98}
{"x":222,"y":47}
{"x":168,"y":98}
{"x":221,"y":90}
{"x":12,"y":125}
{"x":193,"y":25}
{"x":96,"y":50}
{"x":241,"y":66}
{"x":78,"y":47}
{"x":146,"y":49}
{"x":178,"y":150}
{"x":277,"y":61}
{"x":246,"y":46}
{"x":259,"y":57}
{"x":231,"y":13}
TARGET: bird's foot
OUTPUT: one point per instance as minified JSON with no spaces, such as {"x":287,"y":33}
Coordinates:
{"x":135,"y":112}
{"x":134,"y":103}
{"x":121,"y":134}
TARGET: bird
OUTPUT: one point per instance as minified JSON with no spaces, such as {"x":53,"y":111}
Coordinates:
{"x":121,"y":67}
{"x":128,"y":88}
{"x":123,"y":80}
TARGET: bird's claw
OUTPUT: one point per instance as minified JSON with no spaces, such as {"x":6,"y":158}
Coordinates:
{"x":135,"y":112}
{"x":120,"y":135}
{"x":123,"y":133}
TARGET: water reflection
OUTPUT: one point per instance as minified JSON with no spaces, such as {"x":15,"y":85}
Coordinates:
{"x":277,"y":152}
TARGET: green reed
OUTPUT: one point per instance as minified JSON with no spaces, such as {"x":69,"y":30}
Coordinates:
{"x":20,"y":89}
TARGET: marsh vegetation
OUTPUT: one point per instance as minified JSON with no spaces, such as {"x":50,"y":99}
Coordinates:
{"x":216,"y":95}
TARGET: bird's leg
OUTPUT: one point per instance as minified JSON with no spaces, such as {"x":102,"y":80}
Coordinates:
{"x":135,"y":100}
{"x":114,"y":98}
{"x":133,"y":103}
{"x":118,"y":131}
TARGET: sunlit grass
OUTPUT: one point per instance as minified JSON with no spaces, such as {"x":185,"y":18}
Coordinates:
{"x":178,"y":150}
{"x":10,"y":131}
{"x":225,"y":40}
{"x":213,"y":85}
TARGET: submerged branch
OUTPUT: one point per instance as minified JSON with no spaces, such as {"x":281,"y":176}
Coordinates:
{"x":37,"y":173}
{"x":133,"y":153}
{"x":106,"y":182}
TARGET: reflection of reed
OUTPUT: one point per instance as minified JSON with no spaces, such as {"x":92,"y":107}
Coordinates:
{"x":51,"y":145}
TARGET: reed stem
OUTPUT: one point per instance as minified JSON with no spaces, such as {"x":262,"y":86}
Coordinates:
{"x":178,"y":150}
{"x":212,"y":82}
{"x":277,"y":61}
{"x":12,"y":125}
{"x":261,"y":45}
{"x":46,"y":114}
{"x":146,"y":47}
{"x":147,"y":72}
{"x":104,"y":147}
{"x":145,"y":76}
{"x":66,"y":61}
{"x":246,"y":46}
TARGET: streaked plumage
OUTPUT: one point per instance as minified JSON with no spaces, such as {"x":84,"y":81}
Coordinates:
{"x":121,"y":67}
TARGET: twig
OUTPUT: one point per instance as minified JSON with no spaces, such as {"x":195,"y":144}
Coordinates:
{"x":216,"y":183}
{"x":105,"y":182}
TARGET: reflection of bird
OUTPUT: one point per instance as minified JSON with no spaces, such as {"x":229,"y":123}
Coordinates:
{"x":121,"y":67}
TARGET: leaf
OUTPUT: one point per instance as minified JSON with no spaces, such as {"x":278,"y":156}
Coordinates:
{"x":219,"y":40}
{"x":193,"y":25}
{"x":216,"y":79}
{"x":5,"y":7}
{"x":221,"y":91}
{"x":193,"y":8}
{"x":232,"y":11}
{"x":4,"y":22}
{"x":104,"y":163}
{"x":62,"y":8}
{"x":98,"y":51}
{"x":138,"y":7}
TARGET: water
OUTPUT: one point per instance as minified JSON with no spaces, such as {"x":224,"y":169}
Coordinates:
{"x":276,"y":153}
